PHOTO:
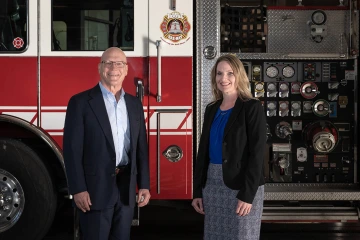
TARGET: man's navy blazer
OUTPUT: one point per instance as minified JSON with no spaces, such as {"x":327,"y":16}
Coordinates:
{"x":243,"y":149}
{"x":89,"y":151}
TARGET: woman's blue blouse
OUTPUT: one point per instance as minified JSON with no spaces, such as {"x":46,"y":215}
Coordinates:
{"x":217,"y":134}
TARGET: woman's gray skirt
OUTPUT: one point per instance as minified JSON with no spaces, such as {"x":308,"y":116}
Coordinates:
{"x":220,"y":202}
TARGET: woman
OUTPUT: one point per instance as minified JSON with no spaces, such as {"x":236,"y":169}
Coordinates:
{"x":228,"y":178}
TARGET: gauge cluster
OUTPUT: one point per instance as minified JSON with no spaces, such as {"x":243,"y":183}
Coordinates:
{"x":309,"y":107}
{"x":280,"y":71}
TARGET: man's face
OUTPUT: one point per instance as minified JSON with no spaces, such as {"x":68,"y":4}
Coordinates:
{"x":113,"y":68}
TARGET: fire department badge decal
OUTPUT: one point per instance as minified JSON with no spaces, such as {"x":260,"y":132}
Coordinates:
{"x":175,"y":27}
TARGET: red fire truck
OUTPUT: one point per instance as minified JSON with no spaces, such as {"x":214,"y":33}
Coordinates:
{"x":302,"y":63}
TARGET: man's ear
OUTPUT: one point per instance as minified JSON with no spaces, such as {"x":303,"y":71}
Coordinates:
{"x":127,"y":70}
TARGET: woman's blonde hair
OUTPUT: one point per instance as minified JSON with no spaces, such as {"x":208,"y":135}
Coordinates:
{"x":242,"y":83}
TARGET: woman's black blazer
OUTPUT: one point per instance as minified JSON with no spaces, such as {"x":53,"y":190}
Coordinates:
{"x":243,"y":149}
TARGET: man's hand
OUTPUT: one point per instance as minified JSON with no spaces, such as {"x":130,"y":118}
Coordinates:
{"x":243,"y":208}
{"x":197,"y":203}
{"x":143,"y":197}
{"x":82,"y":201}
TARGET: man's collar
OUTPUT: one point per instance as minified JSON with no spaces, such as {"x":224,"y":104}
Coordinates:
{"x":106,"y":92}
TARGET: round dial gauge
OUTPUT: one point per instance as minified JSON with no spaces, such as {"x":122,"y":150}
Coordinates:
{"x":307,"y":105}
{"x":318,"y":17}
{"x":283,"y":105}
{"x":272,"y":72}
{"x":295,"y":105}
{"x":296,"y":87}
{"x":271,"y":87}
{"x":288,"y":71}
{"x":271,"y":105}
{"x":284,"y":87}
{"x":256,"y":69}
{"x":259,"y":87}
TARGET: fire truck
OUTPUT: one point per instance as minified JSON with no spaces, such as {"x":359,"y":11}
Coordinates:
{"x":302,"y":63}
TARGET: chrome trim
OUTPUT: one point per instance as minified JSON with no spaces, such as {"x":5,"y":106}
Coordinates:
{"x":38,"y":111}
{"x":171,"y":110}
{"x":38,"y":132}
{"x":158,"y":154}
{"x":140,"y":90}
{"x":315,"y":213}
{"x":158,"y":96}
{"x":135,"y":222}
{"x":356,"y":121}
{"x":350,"y":28}
{"x":173,"y":153}
{"x":199,"y":45}
{"x":173,"y":5}
{"x":12,"y":200}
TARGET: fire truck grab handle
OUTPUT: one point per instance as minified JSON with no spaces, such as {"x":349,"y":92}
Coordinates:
{"x":158,"y":153}
{"x":140,"y":90}
{"x":158,"y":97}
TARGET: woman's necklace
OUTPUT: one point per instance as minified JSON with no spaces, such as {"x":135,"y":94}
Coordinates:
{"x":224,"y":112}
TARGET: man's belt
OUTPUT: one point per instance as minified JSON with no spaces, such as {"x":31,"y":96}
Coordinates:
{"x":121,"y":169}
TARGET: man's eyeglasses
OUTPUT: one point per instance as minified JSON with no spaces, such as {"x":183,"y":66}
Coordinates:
{"x":119,"y":64}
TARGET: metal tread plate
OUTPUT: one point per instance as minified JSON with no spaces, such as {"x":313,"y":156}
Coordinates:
{"x":310,"y":214}
{"x":311,"y":192}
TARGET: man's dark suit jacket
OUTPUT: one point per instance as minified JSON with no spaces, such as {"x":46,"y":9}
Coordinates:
{"x":89,"y":150}
{"x":242,"y":149}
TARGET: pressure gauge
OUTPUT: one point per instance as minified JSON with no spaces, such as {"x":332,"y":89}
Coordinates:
{"x":318,"y":17}
{"x":284,"y":90}
{"x":307,"y":106}
{"x":259,"y":87}
{"x":256,"y":73}
{"x":256,"y":69}
{"x":272,"y":72}
{"x":284,"y":87}
{"x":283,"y":108}
{"x":271,"y":87}
{"x":296,"y":108}
{"x":271,"y":106}
{"x":284,"y":105}
{"x":295,"y":87}
{"x":288,"y":71}
{"x":295,"y":105}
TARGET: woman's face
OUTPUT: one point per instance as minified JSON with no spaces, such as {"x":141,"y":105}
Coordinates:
{"x":225,"y":78}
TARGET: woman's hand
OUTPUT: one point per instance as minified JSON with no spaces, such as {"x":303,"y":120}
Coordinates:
{"x":197,"y":203}
{"x":243,"y":208}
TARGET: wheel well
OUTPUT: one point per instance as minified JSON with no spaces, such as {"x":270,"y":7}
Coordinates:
{"x":42,"y":148}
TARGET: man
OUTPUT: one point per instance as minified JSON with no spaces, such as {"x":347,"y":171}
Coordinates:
{"x":105,"y":153}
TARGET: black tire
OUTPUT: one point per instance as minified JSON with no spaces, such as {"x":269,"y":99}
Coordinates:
{"x":40,"y":196}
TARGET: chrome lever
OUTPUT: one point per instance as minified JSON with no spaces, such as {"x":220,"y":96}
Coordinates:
{"x":158,"y":96}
